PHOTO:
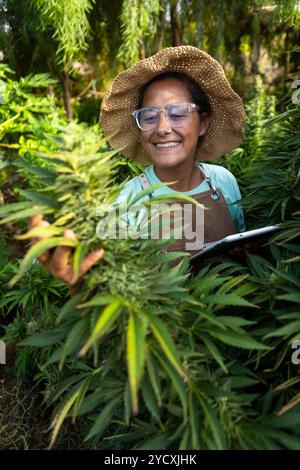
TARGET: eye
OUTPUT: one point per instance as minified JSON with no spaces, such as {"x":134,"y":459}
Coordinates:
{"x":176,"y":113}
{"x":148,"y":116}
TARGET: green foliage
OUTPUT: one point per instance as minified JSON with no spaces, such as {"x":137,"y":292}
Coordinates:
{"x":29,"y":122}
{"x":69,"y":23}
{"x":19,"y":106}
{"x":143,"y":356}
{"x":138,"y":23}
{"x":278,"y":169}
{"x":259,"y":110}
{"x":152,"y":358}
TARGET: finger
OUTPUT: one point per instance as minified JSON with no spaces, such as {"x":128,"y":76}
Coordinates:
{"x":35,"y":221}
{"x":69,"y":234}
{"x":60,"y":257}
{"x":45,"y":256}
{"x":59,"y":260}
{"x":90,"y":260}
{"x":42,"y":223}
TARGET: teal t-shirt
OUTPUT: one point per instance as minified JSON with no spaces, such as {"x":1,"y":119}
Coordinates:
{"x":220,"y":177}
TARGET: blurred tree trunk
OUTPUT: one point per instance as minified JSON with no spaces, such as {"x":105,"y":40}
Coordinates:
{"x":161,"y":28}
{"x":67,"y":94}
{"x":175,"y":29}
{"x":256,"y":45}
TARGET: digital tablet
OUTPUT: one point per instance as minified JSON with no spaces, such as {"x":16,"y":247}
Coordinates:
{"x":223,"y":245}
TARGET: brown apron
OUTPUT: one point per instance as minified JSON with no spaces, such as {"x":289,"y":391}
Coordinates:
{"x":218,"y":222}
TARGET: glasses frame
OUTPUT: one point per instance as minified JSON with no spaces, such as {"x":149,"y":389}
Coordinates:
{"x":191,"y":107}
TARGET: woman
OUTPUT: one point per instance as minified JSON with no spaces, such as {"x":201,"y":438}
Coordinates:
{"x":172,"y":110}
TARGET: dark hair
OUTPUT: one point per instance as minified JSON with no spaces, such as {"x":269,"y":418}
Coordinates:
{"x":197,"y":95}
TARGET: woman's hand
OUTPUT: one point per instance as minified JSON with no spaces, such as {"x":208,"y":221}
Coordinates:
{"x":57,"y":262}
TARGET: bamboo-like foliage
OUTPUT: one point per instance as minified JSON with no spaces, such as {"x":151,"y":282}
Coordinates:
{"x":68,"y":21}
{"x":138,"y":23}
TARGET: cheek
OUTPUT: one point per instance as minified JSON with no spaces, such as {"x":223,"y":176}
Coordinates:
{"x":145,"y":140}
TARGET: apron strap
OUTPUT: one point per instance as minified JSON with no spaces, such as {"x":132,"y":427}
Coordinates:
{"x":215,"y":193}
{"x":145,"y":182}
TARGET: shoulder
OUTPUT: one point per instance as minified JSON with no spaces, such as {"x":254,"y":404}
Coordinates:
{"x":221,"y":177}
{"x":218,"y":172}
{"x":131,"y":188}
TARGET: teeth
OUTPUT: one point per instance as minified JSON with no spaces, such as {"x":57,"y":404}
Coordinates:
{"x":168,"y":144}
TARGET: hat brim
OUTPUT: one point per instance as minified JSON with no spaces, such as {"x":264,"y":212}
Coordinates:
{"x":225,"y":130}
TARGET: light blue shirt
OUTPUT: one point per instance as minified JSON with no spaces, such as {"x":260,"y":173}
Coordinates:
{"x":220,"y":177}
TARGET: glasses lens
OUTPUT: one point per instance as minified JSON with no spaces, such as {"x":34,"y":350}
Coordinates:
{"x":177,"y":114}
{"x":147,"y":118}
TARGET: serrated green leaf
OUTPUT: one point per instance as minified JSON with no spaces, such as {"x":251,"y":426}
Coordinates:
{"x":59,"y":419}
{"x":226,"y":286}
{"x":45,"y":338}
{"x":73,"y":340}
{"x":103,"y":419}
{"x":237,"y":340}
{"x":286,"y":330}
{"x":37,"y":249}
{"x":78,"y":256}
{"x":26,"y":213}
{"x":177,"y":382}
{"x":41,"y":232}
{"x":213,"y":349}
{"x":98,"y":300}
{"x":194,"y":422}
{"x":65,"y":385}
{"x":163,"y":337}
{"x":290,"y":297}
{"x":229,"y":299}
{"x":149,"y":398}
{"x":17,"y":206}
{"x":39,"y":198}
{"x":70,"y":307}
{"x":90,"y":402}
{"x":241,"y":381}
{"x":153,"y":371}
{"x":104,"y":322}
{"x":233,"y":322}
{"x":158,"y":442}
{"x":135,"y":344}
{"x":213,"y":422}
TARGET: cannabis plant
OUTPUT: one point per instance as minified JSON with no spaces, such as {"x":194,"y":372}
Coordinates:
{"x":146,"y":355}
{"x":122,"y":326}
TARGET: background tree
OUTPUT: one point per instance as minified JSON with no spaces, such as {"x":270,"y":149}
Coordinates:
{"x":70,"y":27}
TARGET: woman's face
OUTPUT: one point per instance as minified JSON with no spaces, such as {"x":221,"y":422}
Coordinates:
{"x":184,"y":140}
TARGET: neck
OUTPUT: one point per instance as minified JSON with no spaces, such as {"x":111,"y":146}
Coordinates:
{"x":187,"y":177}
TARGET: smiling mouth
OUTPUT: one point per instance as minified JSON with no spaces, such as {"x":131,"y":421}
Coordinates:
{"x":167,"y":144}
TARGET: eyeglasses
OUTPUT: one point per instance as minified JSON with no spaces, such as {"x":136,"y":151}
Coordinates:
{"x":176,"y":114}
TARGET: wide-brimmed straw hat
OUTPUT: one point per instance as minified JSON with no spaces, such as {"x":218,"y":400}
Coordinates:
{"x":227,"y":112}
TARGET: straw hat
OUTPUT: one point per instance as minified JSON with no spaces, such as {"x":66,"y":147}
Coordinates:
{"x":227,"y":117}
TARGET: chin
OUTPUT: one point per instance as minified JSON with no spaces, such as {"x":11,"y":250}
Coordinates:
{"x":168,"y":162}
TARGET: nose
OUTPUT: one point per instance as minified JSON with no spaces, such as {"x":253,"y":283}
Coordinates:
{"x":163,"y":125}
